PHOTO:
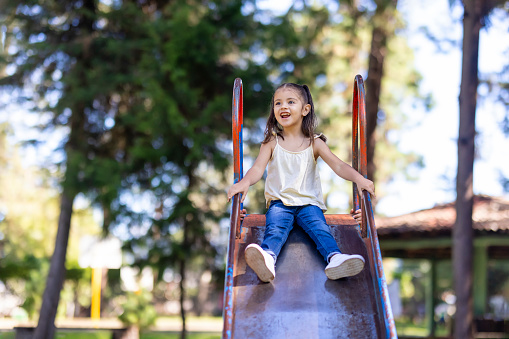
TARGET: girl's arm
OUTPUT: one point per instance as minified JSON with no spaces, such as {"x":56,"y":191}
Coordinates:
{"x":341,"y":168}
{"x":254,"y":174}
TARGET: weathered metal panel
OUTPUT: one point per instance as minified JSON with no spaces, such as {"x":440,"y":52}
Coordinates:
{"x":301,"y":302}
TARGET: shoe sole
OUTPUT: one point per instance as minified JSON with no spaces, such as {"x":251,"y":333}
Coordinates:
{"x":347,"y":268}
{"x":256,"y":261}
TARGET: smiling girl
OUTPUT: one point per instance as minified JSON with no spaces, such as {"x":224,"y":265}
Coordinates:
{"x":293,"y":190}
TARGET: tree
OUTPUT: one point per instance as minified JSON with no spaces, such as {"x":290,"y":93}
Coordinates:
{"x":364,"y":40}
{"x":141,"y":112}
{"x":190,"y":95}
{"x":325,"y":47}
{"x":54,"y":67}
{"x":474,"y":16}
{"x":29,"y":209}
{"x":384,"y":26}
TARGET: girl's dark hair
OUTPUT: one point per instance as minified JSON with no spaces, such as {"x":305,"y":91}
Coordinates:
{"x":308,"y":123}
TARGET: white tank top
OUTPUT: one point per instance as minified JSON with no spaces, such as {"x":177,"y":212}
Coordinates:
{"x":293,"y":178}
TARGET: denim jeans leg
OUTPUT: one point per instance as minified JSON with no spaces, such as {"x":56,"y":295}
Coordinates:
{"x":312,"y":221}
{"x":279,"y":222}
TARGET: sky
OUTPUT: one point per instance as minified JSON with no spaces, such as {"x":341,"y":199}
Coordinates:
{"x":430,"y":134}
{"x":433,"y":134}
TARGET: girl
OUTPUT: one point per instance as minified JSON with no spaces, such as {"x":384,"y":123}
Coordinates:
{"x":292,"y":188}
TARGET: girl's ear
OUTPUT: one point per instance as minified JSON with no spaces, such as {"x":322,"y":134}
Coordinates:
{"x":306,"y":109}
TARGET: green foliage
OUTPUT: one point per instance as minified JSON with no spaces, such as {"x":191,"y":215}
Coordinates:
{"x":80,"y":334}
{"x":155,"y":335}
{"x":138,"y":309}
{"x":325,"y":47}
{"x":106,"y":335}
{"x":29,"y":207}
{"x":143,"y":91}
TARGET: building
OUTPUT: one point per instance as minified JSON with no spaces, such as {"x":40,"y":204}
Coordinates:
{"x":427,"y":235}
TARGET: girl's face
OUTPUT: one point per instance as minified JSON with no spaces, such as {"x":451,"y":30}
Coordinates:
{"x":289,"y":108}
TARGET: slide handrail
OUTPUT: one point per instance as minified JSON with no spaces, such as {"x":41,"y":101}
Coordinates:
{"x":228,"y":314}
{"x":238,"y":173}
{"x":368,"y":228}
{"x":359,"y":156}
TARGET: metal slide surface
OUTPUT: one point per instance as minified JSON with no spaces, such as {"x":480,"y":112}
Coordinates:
{"x":301,"y":302}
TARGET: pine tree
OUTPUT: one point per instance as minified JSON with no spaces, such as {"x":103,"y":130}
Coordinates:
{"x":475,"y":14}
{"x":144,"y":90}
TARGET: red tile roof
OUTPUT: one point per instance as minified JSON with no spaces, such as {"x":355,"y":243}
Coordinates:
{"x":490,"y":215}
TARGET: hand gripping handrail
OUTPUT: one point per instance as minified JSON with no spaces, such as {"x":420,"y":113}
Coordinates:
{"x":237,"y":121}
{"x":368,"y":228}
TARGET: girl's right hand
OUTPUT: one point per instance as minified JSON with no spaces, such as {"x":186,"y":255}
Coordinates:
{"x":357,"y":215}
{"x":239,"y":187}
{"x":243,"y":214}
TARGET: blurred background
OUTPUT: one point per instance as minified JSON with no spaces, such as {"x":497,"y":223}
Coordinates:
{"x":115,"y":151}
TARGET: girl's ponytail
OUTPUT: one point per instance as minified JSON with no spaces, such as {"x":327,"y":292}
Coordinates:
{"x":309,"y":122}
{"x":309,"y":98}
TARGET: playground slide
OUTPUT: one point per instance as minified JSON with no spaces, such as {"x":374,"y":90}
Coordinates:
{"x":301,"y":302}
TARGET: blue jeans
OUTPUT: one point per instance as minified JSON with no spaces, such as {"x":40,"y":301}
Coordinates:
{"x":279,"y":222}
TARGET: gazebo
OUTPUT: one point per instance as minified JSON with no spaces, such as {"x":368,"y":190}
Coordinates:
{"x":427,"y":234}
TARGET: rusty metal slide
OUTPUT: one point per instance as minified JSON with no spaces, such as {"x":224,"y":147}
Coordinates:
{"x":301,"y":302}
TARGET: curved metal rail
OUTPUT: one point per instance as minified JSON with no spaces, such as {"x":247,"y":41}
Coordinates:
{"x":368,"y":228}
{"x":237,"y":122}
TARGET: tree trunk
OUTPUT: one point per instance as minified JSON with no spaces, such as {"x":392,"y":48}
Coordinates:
{"x":383,"y":29}
{"x":463,"y":230}
{"x":373,"y":85}
{"x":131,"y":332}
{"x":183,"y":297}
{"x":75,"y":145}
{"x":203,"y":293}
{"x":185,"y":243}
{"x":51,"y":297}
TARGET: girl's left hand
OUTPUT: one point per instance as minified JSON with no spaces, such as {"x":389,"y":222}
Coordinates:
{"x":367,"y":185}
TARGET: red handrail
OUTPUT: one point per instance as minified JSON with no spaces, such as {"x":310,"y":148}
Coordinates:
{"x":368,"y":228}
{"x":237,"y":121}
{"x":237,"y":124}
{"x":359,"y":161}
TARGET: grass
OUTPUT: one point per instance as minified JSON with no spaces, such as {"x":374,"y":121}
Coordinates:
{"x":97,"y":334}
{"x":411,"y":329}
{"x":404,"y":327}
{"x":94,"y":334}
{"x":167,"y":329}
{"x":154,"y":335}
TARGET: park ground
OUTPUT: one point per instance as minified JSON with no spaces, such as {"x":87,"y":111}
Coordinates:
{"x":85,"y":328}
{"x":166,"y":327}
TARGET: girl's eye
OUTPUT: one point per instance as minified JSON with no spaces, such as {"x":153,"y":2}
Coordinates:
{"x":277,"y":103}
{"x":291,"y":102}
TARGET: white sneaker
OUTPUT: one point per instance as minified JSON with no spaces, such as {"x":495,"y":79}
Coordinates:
{"x":344,"y":265}
{"x":261,"y":262}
